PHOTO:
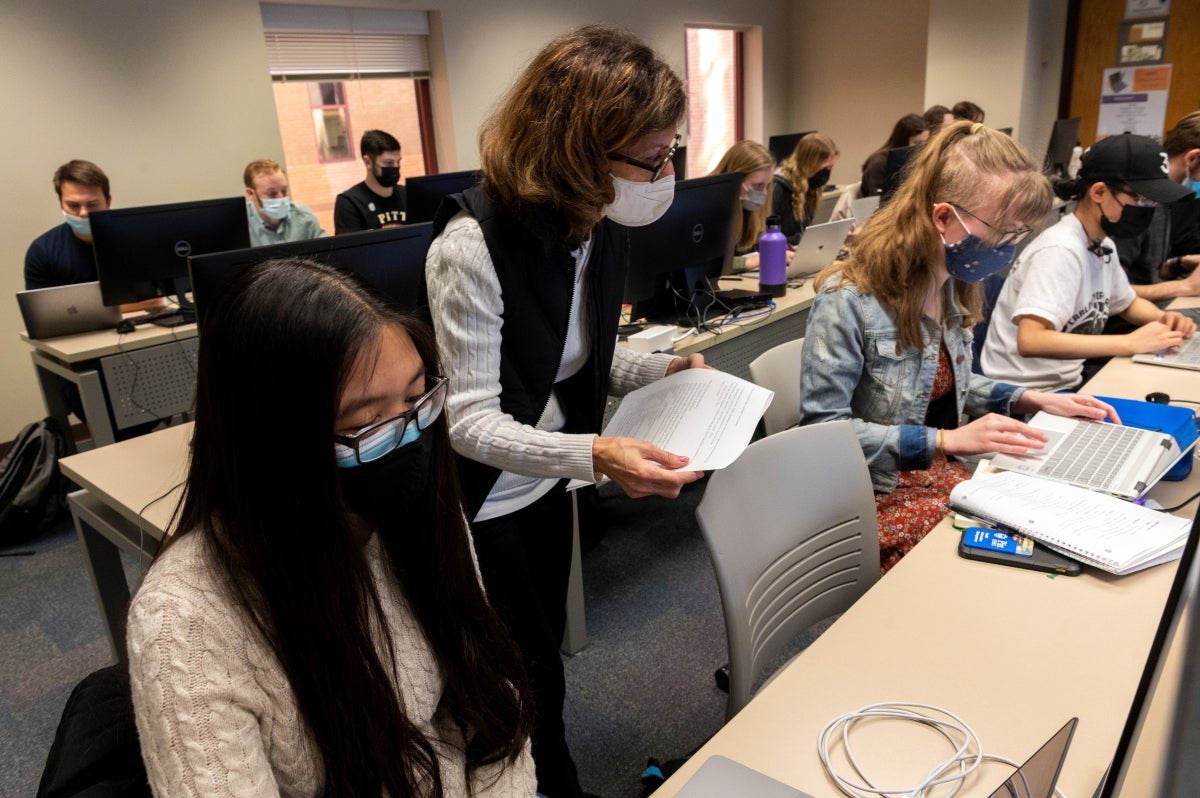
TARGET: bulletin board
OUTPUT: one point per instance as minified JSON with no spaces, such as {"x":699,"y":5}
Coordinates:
{"x":1096,"y":50}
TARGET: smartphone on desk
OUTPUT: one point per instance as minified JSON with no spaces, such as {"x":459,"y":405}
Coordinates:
{"x":1004,"y":548}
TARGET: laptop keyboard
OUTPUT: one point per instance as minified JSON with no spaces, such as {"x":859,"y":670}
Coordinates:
{"x":1090,"y":454}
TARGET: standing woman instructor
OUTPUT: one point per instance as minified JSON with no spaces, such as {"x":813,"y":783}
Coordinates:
{"x":525,"y":277}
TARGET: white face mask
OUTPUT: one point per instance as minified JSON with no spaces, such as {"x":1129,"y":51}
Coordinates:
{"x":754,"y":199}
{"x":640,"y":204}
{"x":277,"y":208}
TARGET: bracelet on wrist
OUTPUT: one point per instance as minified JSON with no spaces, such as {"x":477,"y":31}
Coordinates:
{"x":940,"y":446}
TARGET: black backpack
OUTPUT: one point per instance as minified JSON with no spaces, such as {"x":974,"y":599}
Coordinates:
{"x":33,"y":492}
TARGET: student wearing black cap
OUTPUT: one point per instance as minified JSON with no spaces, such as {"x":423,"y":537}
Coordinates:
{"x":1051,"y":313}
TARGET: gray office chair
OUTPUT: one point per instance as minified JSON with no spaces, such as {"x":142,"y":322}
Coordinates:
{"x":792,"y":532}
{"x":778,"y":369}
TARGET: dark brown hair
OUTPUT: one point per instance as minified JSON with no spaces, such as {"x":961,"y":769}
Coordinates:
{"x":85,"y":173}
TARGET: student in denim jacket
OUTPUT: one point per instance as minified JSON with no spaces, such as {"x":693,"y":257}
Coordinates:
{"x":889,"y":336}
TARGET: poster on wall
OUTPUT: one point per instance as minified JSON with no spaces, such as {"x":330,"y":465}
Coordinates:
{"x":1141,"y":42}
{"x":1137,"y":9}
{"x":1134,"y":100}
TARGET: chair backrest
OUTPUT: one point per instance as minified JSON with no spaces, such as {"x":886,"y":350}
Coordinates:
{"x":791,"y":529}
{"x":778,"y":370}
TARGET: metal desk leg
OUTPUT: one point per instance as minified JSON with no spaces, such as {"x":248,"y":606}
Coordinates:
{"x":56,"y":407}
{"x":95,"y":406}
{"x":104,"y":533}
{"x":576,"y":635}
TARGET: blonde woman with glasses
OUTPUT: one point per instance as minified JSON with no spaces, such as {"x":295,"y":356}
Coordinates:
{"x":889,"y":336}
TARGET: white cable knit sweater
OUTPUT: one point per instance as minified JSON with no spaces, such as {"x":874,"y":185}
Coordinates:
{"x":215,"y":713}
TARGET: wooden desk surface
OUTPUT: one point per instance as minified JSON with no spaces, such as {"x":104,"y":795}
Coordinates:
{"x":1014,"y":653}
{"x":131,"y":475}
{"x":100,"y":343}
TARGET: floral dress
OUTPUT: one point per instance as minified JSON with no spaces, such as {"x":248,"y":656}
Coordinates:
{"x":919,"y":501}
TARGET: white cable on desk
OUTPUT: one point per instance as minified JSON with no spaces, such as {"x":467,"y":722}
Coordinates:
{"x":968,"y":751}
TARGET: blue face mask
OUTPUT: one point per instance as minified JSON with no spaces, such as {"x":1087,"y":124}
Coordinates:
{"x":972,"y":261}
{"x":80,"y":224}
{"x":1194,"y":185}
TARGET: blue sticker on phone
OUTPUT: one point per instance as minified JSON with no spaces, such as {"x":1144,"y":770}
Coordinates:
{"x":978,"y":537}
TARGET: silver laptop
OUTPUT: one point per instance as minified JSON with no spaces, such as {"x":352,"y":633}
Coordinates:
{"x":1120,"y":460}
{"x":66,"y":310}
{"x":720,"y":777}
{"x":818,"y":247}
{"x":862,"y":208}
{"x":1186,"y":356}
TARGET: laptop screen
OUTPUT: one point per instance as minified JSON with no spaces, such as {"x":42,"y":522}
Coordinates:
{"x":1037,"y":777}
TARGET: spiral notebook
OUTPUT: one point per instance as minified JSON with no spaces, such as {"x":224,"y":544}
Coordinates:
{"x":1098,"y":530}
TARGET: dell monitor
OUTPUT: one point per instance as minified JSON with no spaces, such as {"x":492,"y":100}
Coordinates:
{"x":893,"y":173}
{"x":1063,"y":139}
{"x":783,"y":145}
{"x":392,"y":260}
{"x":674,"y":263}
{"x":424,"y":194}
{"x":679,"y":162}
{"x":142,"y":253}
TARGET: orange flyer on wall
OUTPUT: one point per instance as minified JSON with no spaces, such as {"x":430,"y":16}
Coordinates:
{"x":1155,"y":78}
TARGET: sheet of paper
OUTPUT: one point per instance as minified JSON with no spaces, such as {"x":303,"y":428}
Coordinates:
{"x":706,"y":415}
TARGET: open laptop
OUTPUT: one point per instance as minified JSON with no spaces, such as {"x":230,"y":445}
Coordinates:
{"x":1039,"y":775}
{"x":720,"y":777}
{"x":1186,"y":356}
{"x":862,"y":208}
{"x":1120,"y":460}
{"x":65,"y":310}
{"x":818,"y":247}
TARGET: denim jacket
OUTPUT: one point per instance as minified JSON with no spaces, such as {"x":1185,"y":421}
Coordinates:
{"x":851,"y":369}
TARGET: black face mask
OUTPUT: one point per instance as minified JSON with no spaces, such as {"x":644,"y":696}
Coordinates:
{"x":1134,"y":221}
{"x":389,"y":490}
{"x":820,"y":178}
{"x":388,"y":176}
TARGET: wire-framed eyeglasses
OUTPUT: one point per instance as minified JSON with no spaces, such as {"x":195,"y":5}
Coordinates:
{"x":655,"y":171}
{"x":383,"y":437}
{"x":1007,"y":238}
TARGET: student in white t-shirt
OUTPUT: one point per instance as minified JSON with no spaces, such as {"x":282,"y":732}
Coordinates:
{"x":1051,"y":312}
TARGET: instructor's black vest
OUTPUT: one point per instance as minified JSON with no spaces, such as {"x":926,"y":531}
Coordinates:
{"x":537,"y":283}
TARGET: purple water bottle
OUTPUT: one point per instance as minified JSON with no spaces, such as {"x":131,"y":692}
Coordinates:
{"x":772,"y":259}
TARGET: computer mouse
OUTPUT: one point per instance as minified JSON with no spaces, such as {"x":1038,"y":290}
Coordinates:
{"x":125,"y":326}
{"x":1158,"y":397}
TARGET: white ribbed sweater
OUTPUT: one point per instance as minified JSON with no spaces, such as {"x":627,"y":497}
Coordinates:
{"x":466,"y":303}
{"x":215,"y":713}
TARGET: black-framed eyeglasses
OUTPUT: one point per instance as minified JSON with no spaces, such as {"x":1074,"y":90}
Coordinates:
{"x":1007,"y":238}
{"x":655,"y":171}
{"x":375,"y":440}
{"x":1140,"y":201}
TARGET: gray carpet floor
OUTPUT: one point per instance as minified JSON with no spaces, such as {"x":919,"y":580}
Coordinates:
{"x":642,"y":688}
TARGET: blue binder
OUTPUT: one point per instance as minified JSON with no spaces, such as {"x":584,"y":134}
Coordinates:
{"x":1178,"y":422}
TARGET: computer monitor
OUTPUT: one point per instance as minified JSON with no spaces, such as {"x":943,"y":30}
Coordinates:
{"x":674,"y":263}
{"x":142,"y":253}
{"x":784,"y":144}
{"x":893,"y":173}
{"x":679,"y":161}
{"x":1179,"y":767}
{"x":1063,"y":138}
{"x":424,"y":194}
{"x":392,"y":260}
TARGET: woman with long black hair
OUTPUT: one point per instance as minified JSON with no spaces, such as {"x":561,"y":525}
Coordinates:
{"x":316,"y":625}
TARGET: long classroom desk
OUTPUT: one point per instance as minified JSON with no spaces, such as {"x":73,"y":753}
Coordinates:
{"x":1015,"y":653}
{"x":119,"y":376}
